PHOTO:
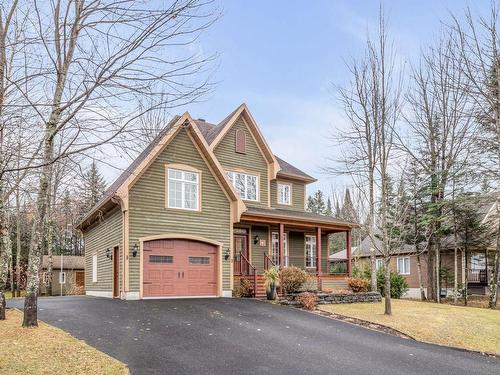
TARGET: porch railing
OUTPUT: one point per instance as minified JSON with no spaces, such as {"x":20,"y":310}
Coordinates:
{"x":243,"y":267}
{"x":477,"y":276}
{"x":268,"y":262}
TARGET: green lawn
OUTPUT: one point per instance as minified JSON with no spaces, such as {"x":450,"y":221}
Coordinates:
{"x":49,"y":350}
{"x":464,"y":327}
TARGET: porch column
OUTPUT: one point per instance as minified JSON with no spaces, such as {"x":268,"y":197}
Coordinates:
{"x":281,"y":234}
{"x":348,"y":252}
{"x":318,"y":250}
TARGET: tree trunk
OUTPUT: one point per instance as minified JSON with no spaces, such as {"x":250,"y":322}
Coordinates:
{"x":36,"y":243}
{"x":18,"y":246}
{"x":420,"y":282}
{"x":455,"y":277}
{"x":438,"y":275}
{"x":50,"y":250}
{"x":5,"y":258}
{"x":387,"y":289}
{"x":495,"y":275}
{"x":374,"y":272}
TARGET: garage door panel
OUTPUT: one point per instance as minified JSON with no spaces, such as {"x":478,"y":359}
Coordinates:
{"x":179,"y":268}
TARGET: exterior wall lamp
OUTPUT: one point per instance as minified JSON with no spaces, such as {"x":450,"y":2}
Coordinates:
{"x":108,"y":253}
{"x":256,"y":239}
{"x":226,"y":254}
{"x":135,"y":250}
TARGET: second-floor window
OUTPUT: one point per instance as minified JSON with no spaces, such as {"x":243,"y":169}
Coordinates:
{"x":379,"y":263}
{"x":183,"y":189}
{"x":284,"y":194}
{"x":245,"y":184}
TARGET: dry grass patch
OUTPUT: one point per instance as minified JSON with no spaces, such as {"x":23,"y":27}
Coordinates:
{"x":464,"y":327}
{"x":49,"y":350}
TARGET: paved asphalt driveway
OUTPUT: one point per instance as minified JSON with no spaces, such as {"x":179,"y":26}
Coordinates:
{"x":235,"y":336}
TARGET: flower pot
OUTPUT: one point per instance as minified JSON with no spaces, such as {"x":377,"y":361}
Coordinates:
{"x":271,"y":292}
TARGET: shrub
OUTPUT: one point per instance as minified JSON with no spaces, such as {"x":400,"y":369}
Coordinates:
{"x":292,"y":279}
{"x":244,"y":289}
{"x":363,"y":272}
{"x":311,"y":283}
{"x":308,"y":300}
{"x":358,"y":285}
{"x":399,"y":286}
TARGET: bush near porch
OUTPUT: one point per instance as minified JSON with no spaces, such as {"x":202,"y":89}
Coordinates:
{"x":463,"y":327}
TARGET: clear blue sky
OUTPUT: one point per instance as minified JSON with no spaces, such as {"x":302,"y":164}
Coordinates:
{"x":282,"y":57}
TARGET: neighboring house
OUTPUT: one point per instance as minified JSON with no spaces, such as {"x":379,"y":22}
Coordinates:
{"x":74,"y":275}
{"x":201,"y":207}
{"x":476,"y":264}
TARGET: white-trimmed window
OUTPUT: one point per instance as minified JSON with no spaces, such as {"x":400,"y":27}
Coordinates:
{"x":284,"y":194}
{"x":94,"y":268}
{"x":403,"y":264}
{"x":276,"y":248}
{"x":310,"y":251}
{"x":379,"y":263}
{"x":246,"y":185}
{"x":183,"y":189}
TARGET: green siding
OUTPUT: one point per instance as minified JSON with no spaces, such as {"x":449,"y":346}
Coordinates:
{"x":298,"y":193}
{"x":252,"y":162}
{"x":105,"y":234}
{"x":257,"y":251}
{"x":148,"y":215}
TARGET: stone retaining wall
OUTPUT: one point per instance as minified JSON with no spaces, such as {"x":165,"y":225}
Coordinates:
{"x":334,"y":298}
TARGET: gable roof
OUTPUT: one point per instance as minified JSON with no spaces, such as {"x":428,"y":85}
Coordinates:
{"x":219,"y":131}
{"x":118,"y":191}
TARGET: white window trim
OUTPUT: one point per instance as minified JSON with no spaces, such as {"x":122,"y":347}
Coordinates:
{"x":379,"y":263}
{"x":257,"y":184}
{"x":408,"y":271}
{"x":315,"y":253}
{"x":285,"y":247}
{"x":279,"y":195}
{"x":183,"y":169}
{"x":94,"y":268}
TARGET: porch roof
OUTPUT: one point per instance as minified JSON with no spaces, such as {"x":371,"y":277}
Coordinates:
{"x":301,"y":218}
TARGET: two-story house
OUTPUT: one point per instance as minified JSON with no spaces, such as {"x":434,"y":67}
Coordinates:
{"x":202,"y":206}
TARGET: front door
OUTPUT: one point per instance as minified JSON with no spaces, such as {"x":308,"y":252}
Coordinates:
{"x":241,"y":247}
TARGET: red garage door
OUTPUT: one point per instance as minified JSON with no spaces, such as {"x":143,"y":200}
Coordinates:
{"x":177,"y":268}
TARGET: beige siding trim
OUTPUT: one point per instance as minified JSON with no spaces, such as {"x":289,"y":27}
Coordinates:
{"x":180,"y":236}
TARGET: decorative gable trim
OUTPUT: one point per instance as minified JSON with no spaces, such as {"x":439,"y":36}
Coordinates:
{"x":242,"y":110}
{"x":187,"y":123}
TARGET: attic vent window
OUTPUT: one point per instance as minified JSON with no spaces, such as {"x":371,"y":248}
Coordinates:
{"x":241,"y":141}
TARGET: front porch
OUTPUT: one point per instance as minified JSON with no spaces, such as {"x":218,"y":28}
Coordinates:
{"x":268,"y":238}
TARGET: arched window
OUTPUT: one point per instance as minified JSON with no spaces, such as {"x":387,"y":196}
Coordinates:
{"x":241,"y":141}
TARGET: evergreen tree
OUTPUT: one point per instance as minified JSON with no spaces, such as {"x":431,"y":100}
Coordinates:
{"x":328,"y":210}
{"x":92,"y":188}
{"x":348,"y":212}
{"x":338,"y":210}
{"x":316,"y":203}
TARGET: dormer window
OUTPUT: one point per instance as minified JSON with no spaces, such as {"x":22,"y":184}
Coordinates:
{"x":284,"y":194}
{"x":241,"y":142}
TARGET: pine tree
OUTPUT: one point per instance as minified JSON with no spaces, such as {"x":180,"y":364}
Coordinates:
{"x":329,"y":210}
{"x":316,"y":203}
{"x":348,"y":211}
{"x":92,"y":188}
